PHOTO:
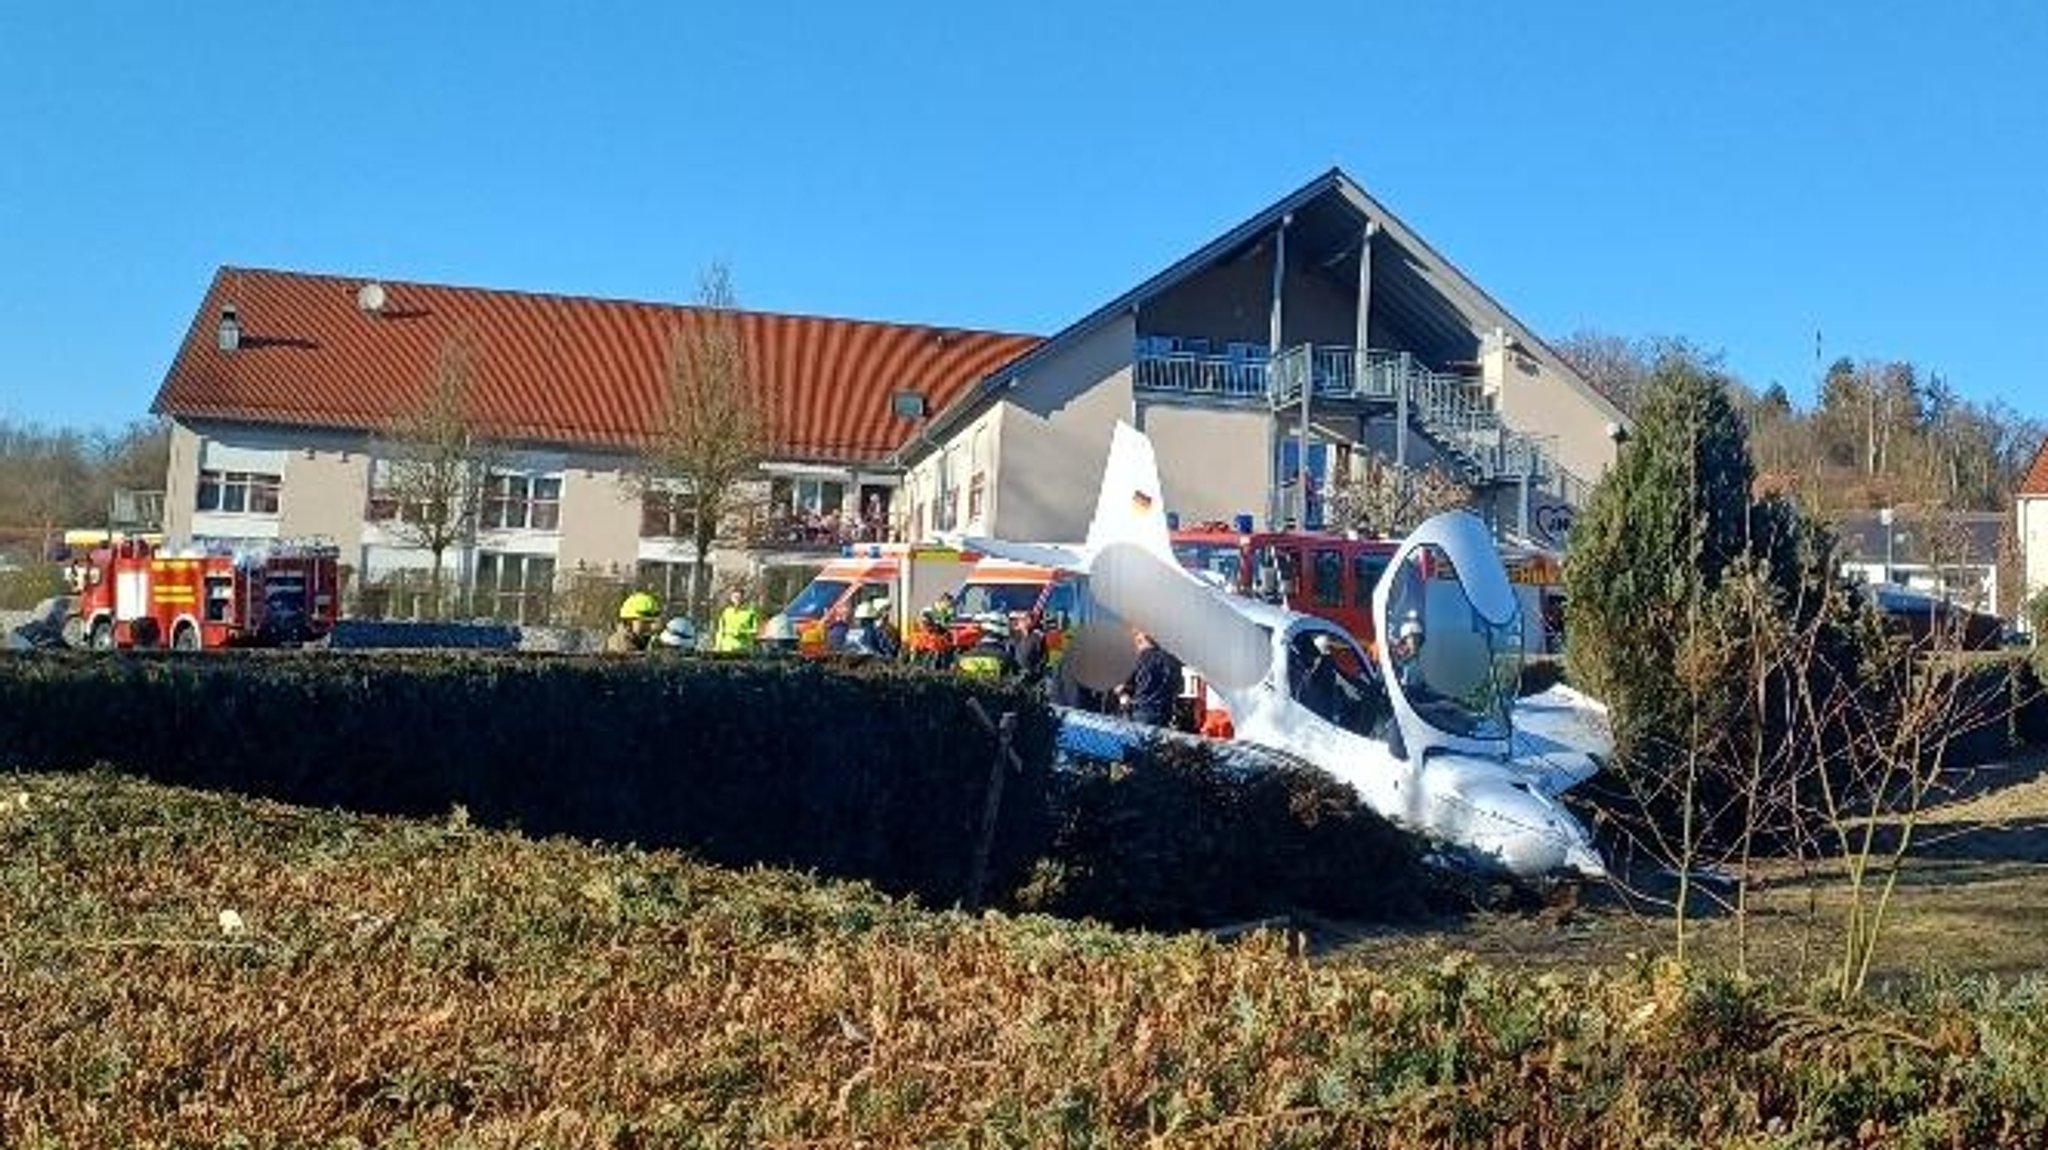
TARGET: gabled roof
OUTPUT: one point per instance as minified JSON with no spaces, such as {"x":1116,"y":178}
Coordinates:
{"x":1334,"y":190}
{"x":2036,"y":482}
{"x":550,"y":369}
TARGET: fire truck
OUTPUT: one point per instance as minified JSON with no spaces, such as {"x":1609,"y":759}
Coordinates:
{"x":132,"y":591}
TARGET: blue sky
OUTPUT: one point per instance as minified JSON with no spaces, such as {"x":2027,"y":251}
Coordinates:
{"x":1740,"y":173}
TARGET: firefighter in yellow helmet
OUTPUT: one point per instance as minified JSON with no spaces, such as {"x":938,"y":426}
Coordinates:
{"x":639,"y":619}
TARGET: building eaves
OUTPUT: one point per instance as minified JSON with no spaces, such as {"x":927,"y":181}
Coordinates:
{"x":1468,"y":294}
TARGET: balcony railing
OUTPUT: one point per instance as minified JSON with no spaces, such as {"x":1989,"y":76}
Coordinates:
{"x":1194,"y":373}
{"x":795,"y":530}
{"x":1450,"y":409}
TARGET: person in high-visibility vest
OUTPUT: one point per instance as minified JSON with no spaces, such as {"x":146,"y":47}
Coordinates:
{"x":989,"y":658}
{"x":639,"y":619}
{"x":931,"y":641}
{"x":739,"y":623}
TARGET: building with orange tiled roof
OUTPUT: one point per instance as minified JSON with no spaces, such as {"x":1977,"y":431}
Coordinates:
{"x":284,"y":381}
{"x":2030,"y":506}
{"x":1319,"y":331}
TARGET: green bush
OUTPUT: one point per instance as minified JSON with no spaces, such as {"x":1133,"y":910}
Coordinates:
{"x":877,"y":773}
{"x":871,"y":771}
{"x":1706,"y":618}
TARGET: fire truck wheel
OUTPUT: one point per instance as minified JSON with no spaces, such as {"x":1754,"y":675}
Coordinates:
{"x":185,"y":638}
{"x":101,"y":637}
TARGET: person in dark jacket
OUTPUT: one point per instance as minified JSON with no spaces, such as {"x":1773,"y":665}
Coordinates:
{"x":1028,"y":648}
{"x":1154,"y":687}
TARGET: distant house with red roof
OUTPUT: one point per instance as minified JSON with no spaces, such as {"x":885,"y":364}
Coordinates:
{"x":282,"y":385}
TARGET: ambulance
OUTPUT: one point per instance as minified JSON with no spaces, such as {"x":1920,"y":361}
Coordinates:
{"x":1000,"y":592}
{"x":899,"y":578}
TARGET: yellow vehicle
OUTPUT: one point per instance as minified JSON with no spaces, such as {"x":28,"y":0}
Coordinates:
{"x":899,"y":578}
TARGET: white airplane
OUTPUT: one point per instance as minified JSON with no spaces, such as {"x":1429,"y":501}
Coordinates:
{"x":1427,"y":730}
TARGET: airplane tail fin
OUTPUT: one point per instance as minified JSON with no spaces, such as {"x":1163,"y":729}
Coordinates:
{"x":1130,"y":508}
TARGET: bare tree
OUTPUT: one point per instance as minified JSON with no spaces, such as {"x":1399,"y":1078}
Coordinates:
{"x":432,"y":465}
{"x":1378,"y":498}
{"x":717,"y":427}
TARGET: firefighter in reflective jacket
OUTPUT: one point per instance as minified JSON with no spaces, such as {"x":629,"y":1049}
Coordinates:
{"x":639,"y":619}
{"x":989,"y":658}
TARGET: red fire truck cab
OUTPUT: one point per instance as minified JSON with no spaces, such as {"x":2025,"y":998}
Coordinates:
{"x":1314,"y":572}
{"x":131,"y":591}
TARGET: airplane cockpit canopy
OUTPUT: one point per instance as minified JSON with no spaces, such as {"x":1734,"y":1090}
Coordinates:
{"x":1455,"y":650}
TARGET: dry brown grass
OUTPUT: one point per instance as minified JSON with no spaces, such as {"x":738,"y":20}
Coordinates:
{"x":182,"y":969}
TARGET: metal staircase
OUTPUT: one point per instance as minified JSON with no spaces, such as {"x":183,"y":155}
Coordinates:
{"x":1449,"y":410}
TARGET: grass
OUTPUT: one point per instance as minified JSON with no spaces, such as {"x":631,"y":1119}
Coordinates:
{"x":186,"y":969}
{"x":1969,"y":904}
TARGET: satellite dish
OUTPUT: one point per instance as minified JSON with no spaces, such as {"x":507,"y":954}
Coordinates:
{"x":370,"y":297}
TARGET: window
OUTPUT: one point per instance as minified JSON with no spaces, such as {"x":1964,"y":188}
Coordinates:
{"x":1329,"y":577}
{"x":417,"y":479}
{"x":1276,"y":574}
{"x":817,"y":496}
{"x":238,"y":492}
{"x":670,"y":581}
{"x":977,"y":480}
{"x":1366,"y":568}
{"x":517,"y":501}
{"x":977,"y":491}
{"x":514,"y":588}
{"x":667,"y":515}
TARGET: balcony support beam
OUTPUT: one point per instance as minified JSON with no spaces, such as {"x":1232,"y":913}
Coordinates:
{"x":1274,"y":330}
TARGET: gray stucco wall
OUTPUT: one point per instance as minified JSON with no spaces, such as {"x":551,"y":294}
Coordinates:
{"x":1233,"y":301}
{"x":1053,"y":436}
{"x":600,"y":517}
{"x":181,"y":482}
{"x":323,"y":495}
{"x":1213,"y":463}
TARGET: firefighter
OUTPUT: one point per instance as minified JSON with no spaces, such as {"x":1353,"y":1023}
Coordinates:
{"x":989,"y":658}
{"x":639,"y":619}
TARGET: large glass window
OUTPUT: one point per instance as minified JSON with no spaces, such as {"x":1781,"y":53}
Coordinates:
{"x":667,"y":515}
{"x":517,"y":501}
{"x":514,"y":588}
{"x":238,"y":492}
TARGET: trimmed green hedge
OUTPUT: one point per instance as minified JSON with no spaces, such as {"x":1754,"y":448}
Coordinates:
{"x":871,"y":771}
{"x":874,"y":773}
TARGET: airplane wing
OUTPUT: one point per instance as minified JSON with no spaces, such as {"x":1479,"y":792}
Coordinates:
{"x":1132,"y":571}
{"x":1059,"y":556}
{"x":1188,"y":617}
